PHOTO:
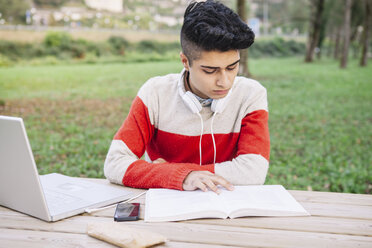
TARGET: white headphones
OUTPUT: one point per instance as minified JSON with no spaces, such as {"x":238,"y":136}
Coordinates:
{"x":218,"y":105}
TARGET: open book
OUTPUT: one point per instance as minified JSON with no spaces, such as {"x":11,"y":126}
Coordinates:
{"x":255,"y":200}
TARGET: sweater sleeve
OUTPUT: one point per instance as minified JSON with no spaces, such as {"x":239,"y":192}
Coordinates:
{"x":123,"y":166}
{"x":253,"y":149}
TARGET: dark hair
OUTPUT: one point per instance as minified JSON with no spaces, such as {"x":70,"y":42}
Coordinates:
{"x":211,"y":26}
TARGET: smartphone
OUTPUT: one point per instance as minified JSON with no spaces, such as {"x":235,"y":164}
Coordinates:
{"x":126,"y":211}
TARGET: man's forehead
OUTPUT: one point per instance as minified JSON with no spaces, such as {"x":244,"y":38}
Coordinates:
{"x":218,"y":58}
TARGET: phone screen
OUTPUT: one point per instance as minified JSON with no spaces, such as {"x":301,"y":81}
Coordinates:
{"x":126,"y":211}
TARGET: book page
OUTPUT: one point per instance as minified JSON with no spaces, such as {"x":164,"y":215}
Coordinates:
{"x":172,"y":205}
{"x":261,"y":200}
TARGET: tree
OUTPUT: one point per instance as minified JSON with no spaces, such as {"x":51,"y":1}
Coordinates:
{"x":346,"y":38}
{"x":323,"y":28}
{"x":50,"y":3}
{"x":366,"y":31}
{"x":315,"y":28}
{"x":243,"y":68}
{"x":295,"y":19}
{"x":14,"y":11}
{"x":337,"y":39}
{"x":356,"y":24}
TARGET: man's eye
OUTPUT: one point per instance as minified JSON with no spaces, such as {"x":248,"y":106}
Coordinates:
{"x":231,"y":68}
{"x":209,"y":71}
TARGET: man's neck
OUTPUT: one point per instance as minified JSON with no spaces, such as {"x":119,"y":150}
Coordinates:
{"x":188,"y":86}
{"x":203,"y":101}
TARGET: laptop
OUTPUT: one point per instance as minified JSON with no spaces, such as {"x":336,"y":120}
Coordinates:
{"x":48,"y":197}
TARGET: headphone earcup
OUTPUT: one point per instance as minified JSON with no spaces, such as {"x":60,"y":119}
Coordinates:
{"x":192,"y":102}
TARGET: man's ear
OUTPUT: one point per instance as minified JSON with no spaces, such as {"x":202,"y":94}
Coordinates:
{"x":184,"y":61}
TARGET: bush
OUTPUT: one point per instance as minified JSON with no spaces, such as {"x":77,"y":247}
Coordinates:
{"x":156,"y":46}
{"x":276,"y":47}
{"x":100,"y":49}
{"x":118,"y":44}
{"x":60,"y":40}
{"x":60,"y":45}
{"x":16,"y":50}
{"x":47,"y":60}
{"x":4,"y":62}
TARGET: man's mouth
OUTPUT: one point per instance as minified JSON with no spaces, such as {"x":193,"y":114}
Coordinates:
{"x":220,"y":92}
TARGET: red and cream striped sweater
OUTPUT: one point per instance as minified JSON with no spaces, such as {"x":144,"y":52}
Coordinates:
{"x":161,"y":123}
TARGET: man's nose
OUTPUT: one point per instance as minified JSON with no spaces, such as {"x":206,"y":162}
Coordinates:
{"x":222,"y":79}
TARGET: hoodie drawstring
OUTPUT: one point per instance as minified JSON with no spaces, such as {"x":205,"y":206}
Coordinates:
{"x":200,"y":140}
{"x":214,"y":142}
{"x":201,"y":137}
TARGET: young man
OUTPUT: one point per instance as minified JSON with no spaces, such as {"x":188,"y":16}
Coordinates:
{"x":203,"y":127}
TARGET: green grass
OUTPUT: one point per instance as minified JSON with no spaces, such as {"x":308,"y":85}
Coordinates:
{"x":320,"y":117}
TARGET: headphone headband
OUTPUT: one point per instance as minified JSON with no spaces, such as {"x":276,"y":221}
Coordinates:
{"x":217,"y":106}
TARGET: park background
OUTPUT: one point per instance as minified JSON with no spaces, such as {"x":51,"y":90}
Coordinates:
{"x":71,"y":68}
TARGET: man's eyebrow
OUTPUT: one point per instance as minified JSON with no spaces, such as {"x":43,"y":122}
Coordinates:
{"x":213,"y":67}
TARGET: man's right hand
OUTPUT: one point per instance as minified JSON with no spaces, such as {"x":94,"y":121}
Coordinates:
{"x":205,"y":180}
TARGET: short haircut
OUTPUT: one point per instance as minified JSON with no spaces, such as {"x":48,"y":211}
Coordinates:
{"x":211,"y":26}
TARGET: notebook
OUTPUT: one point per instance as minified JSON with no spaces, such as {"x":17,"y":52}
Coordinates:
{"x":48,"y":197}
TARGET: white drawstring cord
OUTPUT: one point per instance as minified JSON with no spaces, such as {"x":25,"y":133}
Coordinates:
{"x":214,"y":143}
{"x":200,"y":140}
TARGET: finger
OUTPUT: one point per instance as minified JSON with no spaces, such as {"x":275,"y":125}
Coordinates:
{"x":201,"y":186}
{"x":211,"y":185}
{"x":223,"y":182}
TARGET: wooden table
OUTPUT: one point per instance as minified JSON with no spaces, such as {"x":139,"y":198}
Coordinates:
{"x":338,"y":220}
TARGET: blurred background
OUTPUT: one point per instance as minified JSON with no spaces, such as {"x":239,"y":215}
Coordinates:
{"x":71,"y":68}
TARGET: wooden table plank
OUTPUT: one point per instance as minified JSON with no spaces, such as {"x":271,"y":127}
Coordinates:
{"x":338,"y":210}
{"x":252,"y":237}
{"x":198,"y":232}
{"x":306,"y":224}
{"x":332,"y":197}
{"x":309,"y":224}
{"x":36,"y":239}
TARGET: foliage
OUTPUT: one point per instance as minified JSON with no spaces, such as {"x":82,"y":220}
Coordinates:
{"x":156,"y":46}
{"x":4,"y":61}
{"x":57,"y":43}
{"x":14,"y":11}
{"x":119,"y":44}
{"x":63,"y":47}
{"x":57,"y":40}
{"x":319,"y":122}
{"x":276,"y":47}
{"x":14,"y":50}
{"x":56,"y":3}
{"x":295,"y":18}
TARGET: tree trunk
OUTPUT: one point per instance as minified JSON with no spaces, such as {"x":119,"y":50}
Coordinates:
{"x":315,"y":27}
{"x":243,"y":67}
{"x":366,"y":32}
{"x":332,"y":38}
{"x":346,"y":43}
{"x":336,"y":53}
{"x":322,"y":36}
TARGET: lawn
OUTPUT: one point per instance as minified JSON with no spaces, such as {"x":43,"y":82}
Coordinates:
{"x":320,"y":117}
